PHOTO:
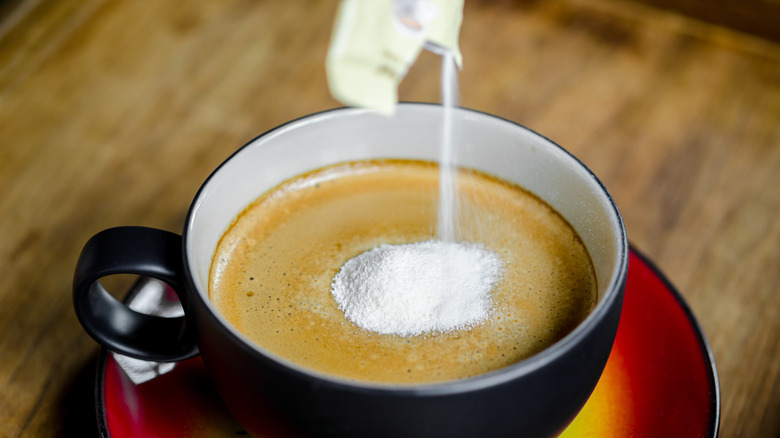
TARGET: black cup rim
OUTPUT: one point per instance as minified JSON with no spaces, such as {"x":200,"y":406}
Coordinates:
{"x":469,"y":384}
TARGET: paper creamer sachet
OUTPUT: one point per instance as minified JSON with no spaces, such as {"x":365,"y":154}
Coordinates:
{"x":375,"y":42}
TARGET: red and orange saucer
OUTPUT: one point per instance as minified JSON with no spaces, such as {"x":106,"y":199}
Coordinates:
{"x":660,"y":380}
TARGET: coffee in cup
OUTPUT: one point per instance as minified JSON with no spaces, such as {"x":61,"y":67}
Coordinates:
{"x":274,"y":268}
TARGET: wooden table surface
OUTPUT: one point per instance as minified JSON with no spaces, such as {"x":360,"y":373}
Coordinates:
{"x":113,"y":113}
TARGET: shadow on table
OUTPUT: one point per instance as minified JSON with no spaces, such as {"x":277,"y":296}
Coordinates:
{"x":78,"y":403}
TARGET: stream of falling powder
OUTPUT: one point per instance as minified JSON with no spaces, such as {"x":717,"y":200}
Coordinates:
{"x":449,"y":207}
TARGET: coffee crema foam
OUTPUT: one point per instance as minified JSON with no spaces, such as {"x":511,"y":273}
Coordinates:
{"x":272,"y":271}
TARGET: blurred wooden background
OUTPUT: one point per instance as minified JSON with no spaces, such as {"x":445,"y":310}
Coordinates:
{"x":755,"y":17}
{"x":113,"y":113}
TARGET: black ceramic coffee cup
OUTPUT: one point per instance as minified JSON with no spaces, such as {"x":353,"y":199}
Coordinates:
{"x":536,"y":397}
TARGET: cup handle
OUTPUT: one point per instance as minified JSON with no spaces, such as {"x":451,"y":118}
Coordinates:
{"x":132,"y":250}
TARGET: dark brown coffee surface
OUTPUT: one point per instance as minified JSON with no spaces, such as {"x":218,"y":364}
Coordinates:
{"x":272,"y":271}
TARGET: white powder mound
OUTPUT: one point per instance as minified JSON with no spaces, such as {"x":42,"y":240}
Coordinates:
{"x":410,"y":289}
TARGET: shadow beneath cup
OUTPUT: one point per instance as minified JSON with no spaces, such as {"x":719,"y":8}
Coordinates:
{"x":77,"y":402}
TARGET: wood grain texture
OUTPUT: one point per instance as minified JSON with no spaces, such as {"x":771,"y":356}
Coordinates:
{"x":756,"y":17}
{"x":113,"y":113}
